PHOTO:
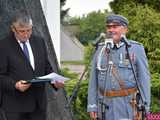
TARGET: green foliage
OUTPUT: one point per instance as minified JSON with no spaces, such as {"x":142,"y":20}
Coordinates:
{"x":63,"y":12}
{"x":155,"y":103}
{"x":89,"y":52}
{"x":72,"y":75}
{"x":144,"y":24}
{"x":155,"y":90}
{"x":72,"y":62}
{"x":90,"y":26}
{"x":154,"y":61}
{"x":75,"y":20}
{"x":155,"y":84}
{"x":80,"y":101}
{"x":117,"y":5}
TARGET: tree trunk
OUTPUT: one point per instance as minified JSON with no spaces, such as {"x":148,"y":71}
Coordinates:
{"x":56,"y":100}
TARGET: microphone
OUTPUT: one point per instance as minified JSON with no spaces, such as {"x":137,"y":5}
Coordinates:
{"x":98,"y":39}
{"x":124,"y":39}
{"x":109,"y":41}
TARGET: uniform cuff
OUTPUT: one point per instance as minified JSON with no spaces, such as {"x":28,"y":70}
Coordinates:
{"x":92,"y":108}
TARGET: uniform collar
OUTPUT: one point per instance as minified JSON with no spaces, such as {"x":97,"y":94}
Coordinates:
{"x":118,"y":45}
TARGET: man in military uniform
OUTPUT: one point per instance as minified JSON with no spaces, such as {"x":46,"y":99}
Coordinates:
{"x":113,"y":86}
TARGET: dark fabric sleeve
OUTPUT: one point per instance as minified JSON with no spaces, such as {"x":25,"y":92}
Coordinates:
{"x":6,"y":82}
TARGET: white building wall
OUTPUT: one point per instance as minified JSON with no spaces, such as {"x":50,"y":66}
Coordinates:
{"x":51,"y":10}
{"x":71,"y":49}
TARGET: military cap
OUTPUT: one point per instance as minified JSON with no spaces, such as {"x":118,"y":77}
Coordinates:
{"x":117,"y":19}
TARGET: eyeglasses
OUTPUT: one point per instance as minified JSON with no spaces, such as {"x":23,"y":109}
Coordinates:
{"x":113,"y":26}
{"x":22,"y":30}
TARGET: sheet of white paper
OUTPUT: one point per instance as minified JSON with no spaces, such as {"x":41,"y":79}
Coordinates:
{"x":54,"y":77}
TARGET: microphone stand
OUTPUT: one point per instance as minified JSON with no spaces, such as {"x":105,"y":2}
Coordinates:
{"x":76,"y":88}
{"x":73,"y":97}
{"x":103,"y":108}
{"x":140,"y":107}
{"x":109,"y":64}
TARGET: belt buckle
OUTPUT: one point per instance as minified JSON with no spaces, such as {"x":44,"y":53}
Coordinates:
{"x":124,"y":92}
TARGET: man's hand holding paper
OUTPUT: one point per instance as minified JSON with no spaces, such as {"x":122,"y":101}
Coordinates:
{"x":56,"y":79}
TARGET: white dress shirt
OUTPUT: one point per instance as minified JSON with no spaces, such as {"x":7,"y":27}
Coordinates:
{"x":31,"y":56}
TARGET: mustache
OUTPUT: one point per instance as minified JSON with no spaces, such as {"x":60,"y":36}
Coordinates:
{"x":110,"y":34}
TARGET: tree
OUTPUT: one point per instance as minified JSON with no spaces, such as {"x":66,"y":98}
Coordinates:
{"x":117,"y":5}
{"x":90,"y":26}
{"x":63,"y":12}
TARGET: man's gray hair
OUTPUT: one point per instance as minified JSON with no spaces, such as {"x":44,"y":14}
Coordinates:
{"x":22,"y":17}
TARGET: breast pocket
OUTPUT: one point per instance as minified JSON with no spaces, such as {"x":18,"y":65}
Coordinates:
{"x":125,"y":71}
{"x":124,"y":66}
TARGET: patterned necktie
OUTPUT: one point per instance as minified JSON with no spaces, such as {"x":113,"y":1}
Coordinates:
{"x":25,"y":50}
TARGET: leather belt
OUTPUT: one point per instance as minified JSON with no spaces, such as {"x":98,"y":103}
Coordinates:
{"x":118,"y":93}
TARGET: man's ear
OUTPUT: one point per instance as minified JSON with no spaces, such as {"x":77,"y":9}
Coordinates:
{"x":125,"y":30}
{"x":12,"y":28}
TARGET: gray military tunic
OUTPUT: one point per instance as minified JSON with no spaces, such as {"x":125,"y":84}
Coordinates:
{"x":118,"y":108}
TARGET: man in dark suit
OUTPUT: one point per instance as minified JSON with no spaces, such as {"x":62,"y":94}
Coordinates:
{"x":23,"y":57}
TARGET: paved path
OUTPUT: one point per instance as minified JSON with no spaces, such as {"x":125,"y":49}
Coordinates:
{"x":75,"y":68}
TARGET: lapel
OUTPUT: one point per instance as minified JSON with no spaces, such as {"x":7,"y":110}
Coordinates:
{"x":18,"y":50}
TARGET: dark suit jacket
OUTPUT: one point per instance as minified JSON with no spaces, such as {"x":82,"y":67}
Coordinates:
{"x":14,"y":66}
